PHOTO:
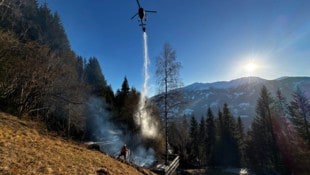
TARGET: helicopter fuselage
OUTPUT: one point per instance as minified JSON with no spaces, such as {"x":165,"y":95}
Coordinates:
{"x":141,"y":13}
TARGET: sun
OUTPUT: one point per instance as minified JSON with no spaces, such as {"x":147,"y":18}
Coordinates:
{"x":250,"y":67}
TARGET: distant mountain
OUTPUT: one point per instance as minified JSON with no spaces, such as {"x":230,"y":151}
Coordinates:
{"x":240,"y":94}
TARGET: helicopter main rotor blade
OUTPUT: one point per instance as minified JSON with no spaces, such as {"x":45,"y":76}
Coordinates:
{"x":134,"y":16}
{"x":138,"y":3}
{"x":151,"y":11}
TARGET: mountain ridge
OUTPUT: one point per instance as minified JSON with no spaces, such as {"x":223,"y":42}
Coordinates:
{"x":240,"y":94}
{"x":241,"y":79}
{"x":221,"y":84}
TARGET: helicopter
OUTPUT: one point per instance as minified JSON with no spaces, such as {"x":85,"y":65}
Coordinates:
{"x":142,"y":15}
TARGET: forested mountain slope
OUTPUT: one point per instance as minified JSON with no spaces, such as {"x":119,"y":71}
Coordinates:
{"x":240,"y":94}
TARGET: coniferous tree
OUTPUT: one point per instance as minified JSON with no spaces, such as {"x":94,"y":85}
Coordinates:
{"x":194,"y":143}
{"x":95,"y":78}
{"x":240,"y":139}
{"x":80,"y":68}
{"x":262,"y":150}
{"x":299,"y":110}
{"x":33,"y":23}
{"x":122,"y":94}
{"x":219,"y":144}
{"x":231,"y":155}
{"x":20,"y":17}
{"x":51,"y":31}
{"x":290,"y":143}
{"x":130,"y":107}
{"x":202,"y":142}
{"x":126,"y":103}
{"x":109,"y":97}
{"x":281,"y":103}
{"x":93,"y":73}
{"x":210,"y":138}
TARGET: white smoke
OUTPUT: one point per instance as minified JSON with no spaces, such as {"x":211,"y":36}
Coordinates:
{"x":143,"y":157}
{"x":149,"y":127}
{"x":111,"y":138}
{"x":102,"y":130}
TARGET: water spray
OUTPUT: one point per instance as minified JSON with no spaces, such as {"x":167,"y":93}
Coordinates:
{"x":143,"y":116}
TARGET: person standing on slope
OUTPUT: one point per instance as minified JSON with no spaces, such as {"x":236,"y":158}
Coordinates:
{"x":124,"y":152}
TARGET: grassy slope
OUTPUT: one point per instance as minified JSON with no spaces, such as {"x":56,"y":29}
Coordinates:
{"x":26,"y":149}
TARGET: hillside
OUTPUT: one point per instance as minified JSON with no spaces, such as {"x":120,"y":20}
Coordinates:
{"x":240,"y":95}
{"x":26,"y":148}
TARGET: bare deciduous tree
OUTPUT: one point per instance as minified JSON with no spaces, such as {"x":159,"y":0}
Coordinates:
{"x":168,"y":80}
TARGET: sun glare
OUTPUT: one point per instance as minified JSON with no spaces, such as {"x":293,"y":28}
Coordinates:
{"x":250,"y":67}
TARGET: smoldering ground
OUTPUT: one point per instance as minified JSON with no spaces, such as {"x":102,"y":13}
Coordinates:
{"x":111,"y":137}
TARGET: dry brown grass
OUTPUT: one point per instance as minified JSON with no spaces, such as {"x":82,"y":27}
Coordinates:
{"x":25,"y":149}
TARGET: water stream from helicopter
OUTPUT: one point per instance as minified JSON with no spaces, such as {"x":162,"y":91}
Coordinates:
{"x":143,"y":116}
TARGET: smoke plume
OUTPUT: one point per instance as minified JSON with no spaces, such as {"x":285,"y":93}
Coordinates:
{"x":111,"y":138}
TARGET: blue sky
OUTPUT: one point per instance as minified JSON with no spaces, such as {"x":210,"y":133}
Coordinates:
{"x":213,"y":39}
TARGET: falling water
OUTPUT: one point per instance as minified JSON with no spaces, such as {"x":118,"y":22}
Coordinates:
{"x":143,"y":116}
{"x":146,"y":71}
